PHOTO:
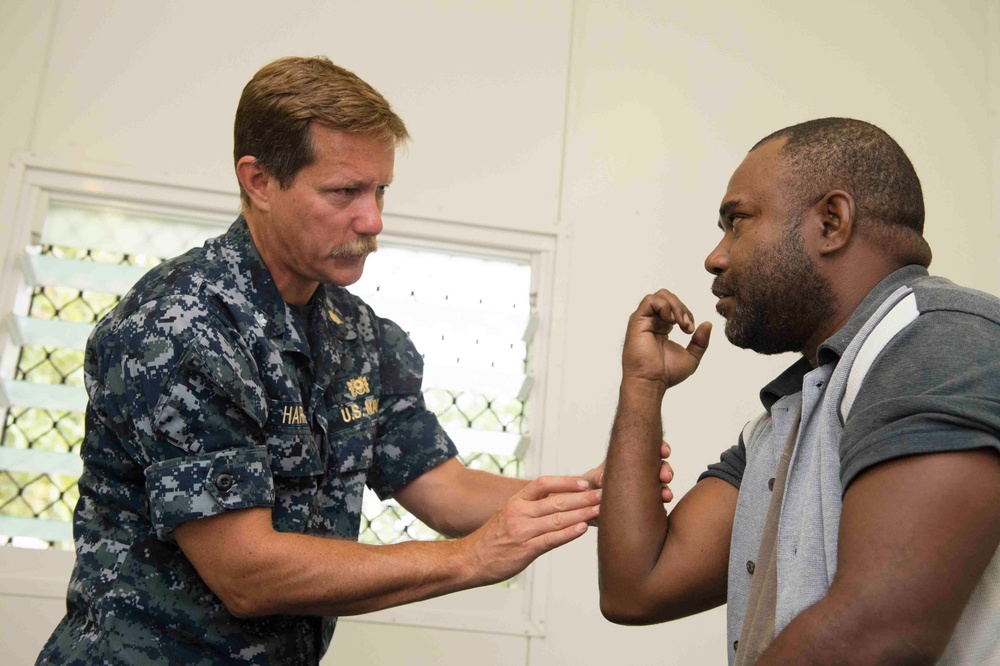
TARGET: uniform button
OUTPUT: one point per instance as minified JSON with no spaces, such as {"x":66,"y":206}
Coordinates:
{"x":750,"y":567}
{"x":736,"y":646}
{"x":770,"y":484}
{"x":224,"y":482}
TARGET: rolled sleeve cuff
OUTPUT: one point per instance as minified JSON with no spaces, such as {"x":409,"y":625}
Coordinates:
{"x":205,"y":485}
{"x":426,"y":446}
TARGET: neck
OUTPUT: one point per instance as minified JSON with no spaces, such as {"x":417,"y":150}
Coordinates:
{"x":294,"y":289}
{"x":852,"y":279}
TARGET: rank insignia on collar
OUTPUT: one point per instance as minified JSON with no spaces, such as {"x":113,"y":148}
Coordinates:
{"x":334,"y":317}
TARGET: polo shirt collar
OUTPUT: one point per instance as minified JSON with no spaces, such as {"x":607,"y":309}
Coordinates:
{"x":830,"y":351}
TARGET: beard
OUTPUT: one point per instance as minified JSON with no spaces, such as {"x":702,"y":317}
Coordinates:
{"x":780,"y":300}
{"x":359,"y":247}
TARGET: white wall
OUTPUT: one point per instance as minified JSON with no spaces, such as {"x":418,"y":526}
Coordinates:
{"x":615,"y":125}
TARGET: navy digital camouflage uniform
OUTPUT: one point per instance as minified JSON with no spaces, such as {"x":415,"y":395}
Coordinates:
{"x":208,"y":395}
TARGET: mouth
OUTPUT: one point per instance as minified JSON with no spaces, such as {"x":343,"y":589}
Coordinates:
{"x":724,"y":302}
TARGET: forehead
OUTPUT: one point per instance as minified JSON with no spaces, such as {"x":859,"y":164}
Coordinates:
{"x":758,"y":178}
{"x":333,"y":149}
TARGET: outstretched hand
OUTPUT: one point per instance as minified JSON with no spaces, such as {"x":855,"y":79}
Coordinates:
{"x":649,"y":353}
{"x":547,"y":513}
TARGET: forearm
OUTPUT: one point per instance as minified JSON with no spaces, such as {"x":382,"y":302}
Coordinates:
{"x":257,"y":571}
{"x":833,"y":632}
{"x":300,"y":574}
{"x":633,"y":521}
{"x":456,"y":500}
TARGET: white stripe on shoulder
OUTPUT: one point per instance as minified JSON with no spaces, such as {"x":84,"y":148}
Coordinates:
{"x":898,"y":318}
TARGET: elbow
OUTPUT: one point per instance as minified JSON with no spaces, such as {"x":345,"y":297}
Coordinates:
{"x":241,"y":601}
{"x":626,"y":609}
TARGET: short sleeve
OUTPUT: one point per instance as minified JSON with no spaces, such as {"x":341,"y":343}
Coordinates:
{"x":196,"y":407}
{"x":731,"y":465}
{"x":934,"y":388}
{"x":410,"y":440}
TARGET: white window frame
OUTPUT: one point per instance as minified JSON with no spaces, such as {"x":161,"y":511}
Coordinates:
{"x":33,"y":184}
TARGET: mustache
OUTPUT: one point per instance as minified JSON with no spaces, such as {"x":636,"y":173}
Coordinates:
{"x":358,"y":247}
{"x":722,"y":288}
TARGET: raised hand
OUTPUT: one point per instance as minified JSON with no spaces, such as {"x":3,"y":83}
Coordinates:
{"x":649,"y":353}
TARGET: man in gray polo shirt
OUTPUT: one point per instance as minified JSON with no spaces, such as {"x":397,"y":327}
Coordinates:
{"x":856,"y":520}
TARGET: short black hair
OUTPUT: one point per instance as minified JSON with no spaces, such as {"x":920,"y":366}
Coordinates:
{"x":858,"y":157}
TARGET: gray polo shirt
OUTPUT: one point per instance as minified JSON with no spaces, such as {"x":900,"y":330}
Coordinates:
{"x":934,"y":387}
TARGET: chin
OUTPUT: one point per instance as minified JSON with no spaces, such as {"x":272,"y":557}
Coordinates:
{"x":345,"y":276}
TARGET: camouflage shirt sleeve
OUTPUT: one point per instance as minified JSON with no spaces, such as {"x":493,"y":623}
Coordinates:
{"x":188,"y":394}
{"x":410,"y":439}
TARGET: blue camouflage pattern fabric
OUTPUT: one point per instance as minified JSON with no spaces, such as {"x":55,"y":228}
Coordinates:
{"x":209,"y":394}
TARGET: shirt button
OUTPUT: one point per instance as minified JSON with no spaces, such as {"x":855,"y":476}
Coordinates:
{"x":736,"y":646}
{"x":750,"y":567}
{"x":770,"y":484}
{"x":224,"y":482}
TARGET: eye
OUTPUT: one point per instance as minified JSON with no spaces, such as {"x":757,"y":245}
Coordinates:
{"x":734,"y":222}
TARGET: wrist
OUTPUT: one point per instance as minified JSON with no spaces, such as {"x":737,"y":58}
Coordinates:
{"x":642,"y":388}
{"x":466,"y":562}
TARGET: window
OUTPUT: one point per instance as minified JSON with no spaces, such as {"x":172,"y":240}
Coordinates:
{"x":75,"y":243}
{"x":470,"y":317}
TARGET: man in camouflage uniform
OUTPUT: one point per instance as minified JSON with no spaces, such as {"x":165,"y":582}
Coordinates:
{"x":240,"y":400}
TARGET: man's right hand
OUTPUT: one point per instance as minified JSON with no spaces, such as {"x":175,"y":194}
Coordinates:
{"x":649,"y":353}
{"x":545,"y":514}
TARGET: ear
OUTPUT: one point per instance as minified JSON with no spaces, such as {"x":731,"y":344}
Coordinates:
{"x":256,"y":182}
{"x":836,"y":215}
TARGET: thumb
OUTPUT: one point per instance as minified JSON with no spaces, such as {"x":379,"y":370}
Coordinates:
{"x":699,"y":341}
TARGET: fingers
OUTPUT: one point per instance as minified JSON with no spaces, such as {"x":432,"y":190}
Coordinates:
{"x":566,"y":503}
{"x":556,"y":512}
{"x":544,"y":486}
{"x":595,"y":477}
{"x":664,"y":449}
{"x":666,"y":472}
{"x":670,"y":309}
{"x":551,"y":540}
{"x":560,"y":520}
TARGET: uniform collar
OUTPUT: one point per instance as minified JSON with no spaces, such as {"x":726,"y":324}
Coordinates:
{"x":830,"y":351}
{"x":262,"y":292}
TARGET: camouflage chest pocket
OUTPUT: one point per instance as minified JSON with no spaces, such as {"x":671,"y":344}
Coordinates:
{"x":291,"y":446}
{"x":352,"y":421}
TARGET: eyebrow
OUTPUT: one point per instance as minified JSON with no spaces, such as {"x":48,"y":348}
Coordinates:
{"x":356,"y":183}
{"x":726,"y":209}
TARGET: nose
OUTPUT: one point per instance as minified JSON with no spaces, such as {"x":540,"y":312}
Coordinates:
{"x":368,"y":221}
{"x":717,"y":260}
